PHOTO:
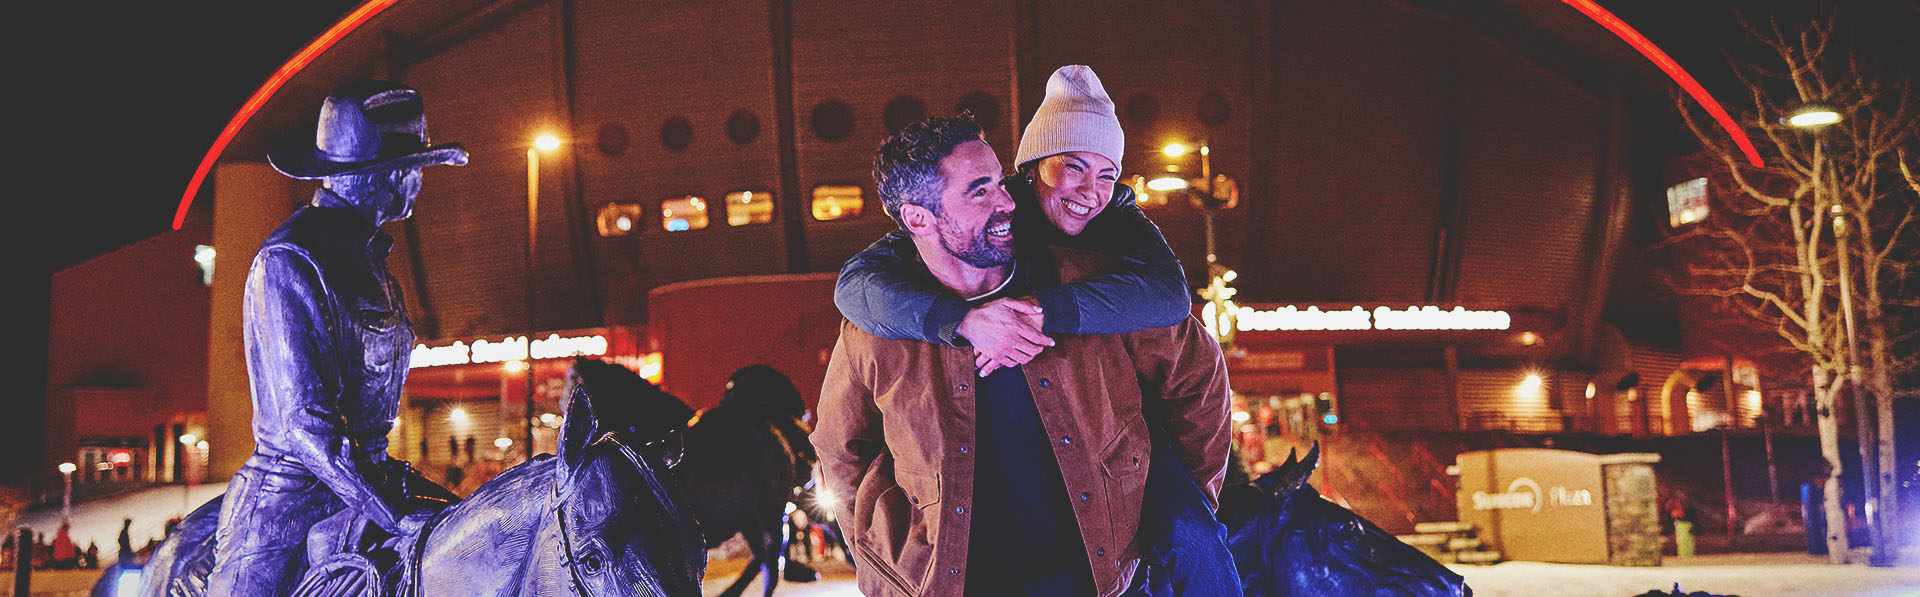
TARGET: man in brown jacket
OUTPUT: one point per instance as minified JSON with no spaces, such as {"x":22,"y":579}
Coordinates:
{"x":1027,"y":481}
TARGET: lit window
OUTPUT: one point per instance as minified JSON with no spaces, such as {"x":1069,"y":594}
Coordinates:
{"x":618,"y":219}
{"x":203,"y":255}
{"x":1148,"y":198}
{"x":683,"y":214}
{"x":834,"y":202}
{"x":1687,"y":202}
{"x":749,"y":207}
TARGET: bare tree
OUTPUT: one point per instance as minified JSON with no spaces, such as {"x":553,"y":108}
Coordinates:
{"x":1781,"y":248}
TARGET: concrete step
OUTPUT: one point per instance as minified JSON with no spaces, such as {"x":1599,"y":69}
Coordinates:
{"x":1476,"y":557}
{"x":1463,"y":544}
{"x":1442,"y":527}
{"x":1423,"y":539}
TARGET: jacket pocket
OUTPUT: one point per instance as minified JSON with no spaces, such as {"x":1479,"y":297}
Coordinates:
{"x":1125,"y":462}
{"x":903,"y":528}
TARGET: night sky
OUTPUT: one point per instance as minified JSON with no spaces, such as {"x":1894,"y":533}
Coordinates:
{"x":123,"y":98}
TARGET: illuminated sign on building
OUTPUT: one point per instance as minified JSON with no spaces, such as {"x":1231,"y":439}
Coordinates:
{"x":1524,"y":494}
{"x":1292,"y":318}
{"x":510,"y":348}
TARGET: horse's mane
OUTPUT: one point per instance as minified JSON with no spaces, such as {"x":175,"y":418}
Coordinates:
{"x":512,"y":487}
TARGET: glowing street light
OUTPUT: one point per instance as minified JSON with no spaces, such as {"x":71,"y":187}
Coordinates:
{"x":1532,"y":382}
{"x":66,"y":499}
{"x":1812,"y":116}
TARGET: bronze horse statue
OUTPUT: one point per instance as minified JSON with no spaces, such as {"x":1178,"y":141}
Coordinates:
{"x":1287,"y":540}
{"x":600,"y":518}
{"x":744,"y":458}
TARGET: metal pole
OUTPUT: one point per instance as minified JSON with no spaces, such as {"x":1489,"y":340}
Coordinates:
{"x":66,"y":499}
{"x":23,"y":562}
{"x":1726,"y":480}
{"x":1773,"y":470}
{"x":533,"y":213}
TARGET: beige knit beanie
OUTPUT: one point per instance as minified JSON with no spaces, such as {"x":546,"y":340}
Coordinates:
{"x":1076,"y":115}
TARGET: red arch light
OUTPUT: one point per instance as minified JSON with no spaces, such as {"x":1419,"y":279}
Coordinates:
{"x":1673,"y":70}
{"x":353,"y":21}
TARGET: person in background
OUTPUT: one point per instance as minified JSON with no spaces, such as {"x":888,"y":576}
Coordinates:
{"x":65,"y":555}
{"x":126,"y":541}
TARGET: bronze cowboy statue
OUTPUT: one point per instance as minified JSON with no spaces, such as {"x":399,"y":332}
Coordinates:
{"x":327,"y":344}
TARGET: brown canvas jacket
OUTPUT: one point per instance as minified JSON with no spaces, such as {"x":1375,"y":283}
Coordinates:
{"x":896,"y":424}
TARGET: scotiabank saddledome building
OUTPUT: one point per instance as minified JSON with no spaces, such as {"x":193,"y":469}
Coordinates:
{"x":1440,"y":226}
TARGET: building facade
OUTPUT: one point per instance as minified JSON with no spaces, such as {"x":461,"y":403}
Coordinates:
{"x":1389,"y":154}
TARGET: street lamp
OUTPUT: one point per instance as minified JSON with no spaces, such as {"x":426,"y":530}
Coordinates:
{"x":543,"y":142}
{"x":1812,"y":118}
{"x":1210,"y":193}
{"x":1812,"y":115}
{"x":66,"y":499}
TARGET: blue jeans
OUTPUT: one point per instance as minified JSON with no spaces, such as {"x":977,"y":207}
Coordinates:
{"x":1182,"y":545}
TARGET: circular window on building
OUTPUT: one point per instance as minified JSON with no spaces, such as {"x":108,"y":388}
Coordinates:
{"x":985,"y":109}
{"x":1215,"y":109}
{"x":832,"y":120}
{"x":676,"y":133}
{"x":902,"y":111}
{"x":1142,"y":109}
{"x":743,"y":127}
{"x":612,"y":139}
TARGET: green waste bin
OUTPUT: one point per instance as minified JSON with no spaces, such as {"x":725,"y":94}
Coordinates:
{"x":1683,"y":538}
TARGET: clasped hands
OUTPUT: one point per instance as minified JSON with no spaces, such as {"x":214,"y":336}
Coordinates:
{"x":1004,"y":333}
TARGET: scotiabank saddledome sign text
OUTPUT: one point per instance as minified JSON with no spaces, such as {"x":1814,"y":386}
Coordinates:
{"x":510,"y":348}
{"x":1292,"y":318}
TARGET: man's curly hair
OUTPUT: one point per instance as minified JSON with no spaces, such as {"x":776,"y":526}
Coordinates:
{"x":906,"y":169}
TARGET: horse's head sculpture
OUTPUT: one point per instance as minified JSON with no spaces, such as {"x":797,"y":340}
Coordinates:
{"x":1287,"y":540}
{"x":768,"y":388}
{"x":622,"y":525}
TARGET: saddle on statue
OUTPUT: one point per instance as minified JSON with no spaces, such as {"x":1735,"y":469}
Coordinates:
{"x":347,"y":554}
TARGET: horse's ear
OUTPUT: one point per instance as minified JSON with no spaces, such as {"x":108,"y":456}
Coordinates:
{"x":580,"y":427}
{"x":1304,"y":469}
{"x":1291,"y":476}
{"x":1275,"y":480}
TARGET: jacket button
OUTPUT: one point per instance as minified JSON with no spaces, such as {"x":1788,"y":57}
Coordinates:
{"x":1100,"y":552}
{"x":1084,"y":496}
{"x":1046,"y":383}
{"x":953,"y":571}
{"x":915,"y":500}
{"x":964,"y":449}
{"x":963,"y":386}
{"x":959,"y":509}
{"x":1066,"y":440}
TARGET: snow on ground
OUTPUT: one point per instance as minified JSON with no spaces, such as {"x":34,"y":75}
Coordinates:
{"x":1747,"y":575}
{"x":99,"y":520}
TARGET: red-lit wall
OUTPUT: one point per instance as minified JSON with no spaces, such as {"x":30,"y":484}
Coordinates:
{"x":133,"y":321}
